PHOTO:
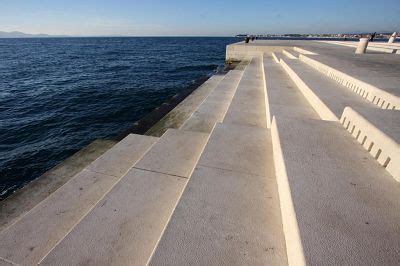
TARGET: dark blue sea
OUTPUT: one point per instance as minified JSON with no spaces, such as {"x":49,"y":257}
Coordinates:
{"x":57,"y":95}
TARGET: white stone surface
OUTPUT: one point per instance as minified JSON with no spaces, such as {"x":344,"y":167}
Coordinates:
{"x":345,"y":204}
{"x":214,"y":107}
{"x":303,"y":51}
{"x":126,"y":225}
{"x":248,"y":104}
{"x":38,"y":231}
{"x":289,"y":54}
{"x":121,"y":157}
{"x":175,"y":153}
{"x":334,"y":96}
{"x":374,"y":94}
{"x":323,"y":111}
{"x":184,"y":110}
{"x":229,"y":212}
{"x":284,"y":98}
{"x":379,"y":133}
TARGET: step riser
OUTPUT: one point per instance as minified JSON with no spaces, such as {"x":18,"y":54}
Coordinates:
{"x":373,"y":94}
{"x":29,"y":239}
{"x":184,"y":110}
{"x":281,"y":95}
{"x":213,"y":109}
{"x":248,"y":104}
{"x":288,"y":54}
{"x":323,"y":111}
{"x":129,"y":232}
{"x":335,"y":201}
{"x":382,"y":147}
{"x":294,"y":248}
{"x":303,"y":51}
{"x":221,"y":217}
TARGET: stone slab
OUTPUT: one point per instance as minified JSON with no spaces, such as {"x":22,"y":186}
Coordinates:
{"x":229,"y":212}
{"x":31,"y":237}
{"x":345,"y":204}
{"x":378,"y":131}
{"x":125,"y":226}
{"x":33,"y":193}
{"x":133,"y":215}
{"x":248,"y":104}
{"x":284,"y":99}
{"x":185,"y":109}
{"x":231,"y":146}
{"x":214,"y":107}
{"x":335,"y":96}
{"x":175,"y":153}
{"x":120,"y":158}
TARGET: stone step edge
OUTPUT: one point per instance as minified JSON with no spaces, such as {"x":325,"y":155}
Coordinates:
{"x":170,"y":121}
{"x":71,"y":180}
{"x":288,"y":54}
{"x":381,"y":146}
{"x":373,"y":94}
{"x":294,"y":247}
{"x":28,"y":192}
{"x":319,"y":106}
{"x":209,"y":95}
{"x":179,"y":198}
{"x":276,"y":59}
{"x":303,"y":51}
{"x":133,"y":166}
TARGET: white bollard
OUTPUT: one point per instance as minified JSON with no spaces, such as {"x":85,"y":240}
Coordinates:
{"x":392,"y":38}
{"x":362,"y":46}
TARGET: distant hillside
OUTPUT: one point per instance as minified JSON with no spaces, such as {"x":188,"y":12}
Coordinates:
{"x":18,"y":34}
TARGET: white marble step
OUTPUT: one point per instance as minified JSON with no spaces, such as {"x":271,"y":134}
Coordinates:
{"x":38,"y":231}
{"x":378,"y":131}
{"x":381,"y":90}
{"x":326,"y":96}
{"x":214,"y":107}
{"x":248,"y":103}
{"x":338,"y":204}
{"x":184,"y":110}
{"x":284,"y":98}
{"x":290,"y":54}
{"x":229,"y":212}
{"x":126,"y":224}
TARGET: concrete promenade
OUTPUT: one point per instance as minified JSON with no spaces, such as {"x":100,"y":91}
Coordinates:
{"x":290,"y":159}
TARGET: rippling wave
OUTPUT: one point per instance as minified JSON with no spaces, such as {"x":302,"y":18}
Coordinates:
{"x":58,"y":95}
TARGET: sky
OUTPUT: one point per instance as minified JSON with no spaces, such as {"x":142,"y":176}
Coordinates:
{"x":197,"y":17}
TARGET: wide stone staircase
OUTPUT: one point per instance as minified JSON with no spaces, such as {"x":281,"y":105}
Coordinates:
{"x":280,"y":164}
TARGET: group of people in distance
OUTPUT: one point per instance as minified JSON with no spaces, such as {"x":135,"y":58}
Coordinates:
{"x":248,"y":38}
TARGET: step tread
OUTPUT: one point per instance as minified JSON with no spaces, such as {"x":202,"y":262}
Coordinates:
{"x":175,"y":153}
{"x":132,"y":216}
{"x":333,"y":95}
{"x":31,"y":237}
{"x":177,"y":117}
{"x":290,"y":53}
{"x":248,"y":103}
{"x":346,"y":204}
{"x":214,"y":107}
{"x":367,"y":68}
{"x":24,"y":199}
{"x":229,"y":213}
{"x":284,"y":99}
